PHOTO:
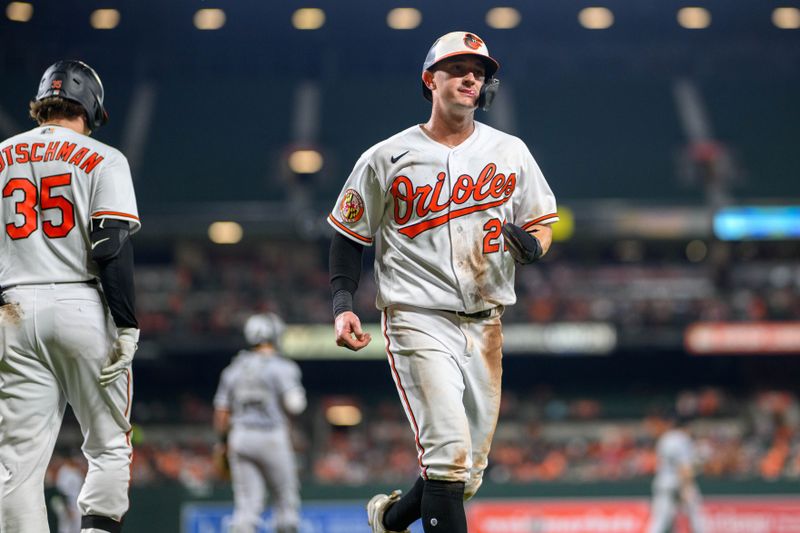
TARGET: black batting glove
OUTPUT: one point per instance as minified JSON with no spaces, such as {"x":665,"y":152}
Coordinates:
{"x":524,"y":247}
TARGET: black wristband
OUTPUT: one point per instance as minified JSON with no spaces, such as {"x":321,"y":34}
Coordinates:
{"x":342,"y":301}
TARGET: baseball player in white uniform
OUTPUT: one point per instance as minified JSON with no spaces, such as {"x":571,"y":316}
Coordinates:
{"x":255,"y":393}
{"x":674,"y":484}
{"x":68,"y":210}
{"x":452,"y":205}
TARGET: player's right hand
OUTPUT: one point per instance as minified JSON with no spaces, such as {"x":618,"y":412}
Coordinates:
{"x":121,"y":355}
{"x":349,"y":333}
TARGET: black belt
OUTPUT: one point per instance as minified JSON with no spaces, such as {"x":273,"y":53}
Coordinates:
{"x":92,"y":281}
{"x":478,"y":315}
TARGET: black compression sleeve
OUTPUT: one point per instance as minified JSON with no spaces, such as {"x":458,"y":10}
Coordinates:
{"x":345,"y":264}
{"x":116,"y":275}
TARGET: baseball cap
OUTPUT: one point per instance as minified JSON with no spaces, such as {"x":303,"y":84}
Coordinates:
{"x":458,"y":43}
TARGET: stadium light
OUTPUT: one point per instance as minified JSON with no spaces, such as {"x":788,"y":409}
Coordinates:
{"x":596,"y":18}
{"x":343,"y":415}
{"x":404,"y":18}
{"x":694,"y":18}
{"x":209,"y":19}
{"x":503,"y":18}
{"x":786,"y":18}
{"x":308,"y":18}
{"x":696,"y":251}
{"x":305,"y":161}
{"x":19,"y":11}
{"x":104,"y":19}
{"x":225,"y":232}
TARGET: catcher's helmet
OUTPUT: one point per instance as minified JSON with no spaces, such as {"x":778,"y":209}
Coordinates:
{"x":263,"y":328}
{"x":458,"y":43}
{"x":76,"y":81}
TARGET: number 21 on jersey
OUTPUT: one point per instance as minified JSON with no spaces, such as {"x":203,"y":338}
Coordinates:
{"x":493,"y":229}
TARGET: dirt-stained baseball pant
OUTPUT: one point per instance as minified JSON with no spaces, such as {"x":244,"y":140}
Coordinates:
{"x":54,"y":356}
{"x":448,"y":370}
{"x":262,"y":464}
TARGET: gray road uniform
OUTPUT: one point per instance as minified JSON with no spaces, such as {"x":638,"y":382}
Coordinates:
{"x":254,"y":388}
{"x":69,"y":481}
{"x":675,"y":452}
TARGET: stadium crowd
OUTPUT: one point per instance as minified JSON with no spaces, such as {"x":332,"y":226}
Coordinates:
{"x":209,"y":291}
{"x":542,"y":437}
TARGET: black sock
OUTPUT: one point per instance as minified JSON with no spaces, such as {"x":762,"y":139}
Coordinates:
{"x":443,"y":507}
{"x":407,"y":510}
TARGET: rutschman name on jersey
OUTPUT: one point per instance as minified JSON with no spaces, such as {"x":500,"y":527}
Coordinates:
{"x":54,"y":180}
{"x":437,"y":214}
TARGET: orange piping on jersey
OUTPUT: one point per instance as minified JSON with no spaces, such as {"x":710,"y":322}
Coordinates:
{"x":420,"y":448}
{"x":100,"y":214}
{"x":128,"y":409}
{"x":415,"y":229}
{"x":349,"y":231}
{"x":539,"y":220}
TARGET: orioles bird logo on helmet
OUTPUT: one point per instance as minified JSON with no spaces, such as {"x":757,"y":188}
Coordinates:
{"x":472,"y":41}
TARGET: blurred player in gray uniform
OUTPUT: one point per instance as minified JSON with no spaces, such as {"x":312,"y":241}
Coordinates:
{"x":255,"y":393}
{"x":674,"y":484}
{"x":453,"y":206}
{"x":68,"y":210}
{"x":68,"y":483}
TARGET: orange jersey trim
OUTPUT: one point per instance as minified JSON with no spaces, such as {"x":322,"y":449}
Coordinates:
{"x":539,"y":220}
{"x":349,"y":231}
{"x":99,"y":214}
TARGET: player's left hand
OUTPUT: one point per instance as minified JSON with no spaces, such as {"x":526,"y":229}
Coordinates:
{"x":121,"y":355}
{"x":349,"y":333}
{"x":524,"y":247}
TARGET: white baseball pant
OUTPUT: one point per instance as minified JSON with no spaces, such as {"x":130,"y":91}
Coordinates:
{"x":51,"y":358}
{"x":448,"y":372}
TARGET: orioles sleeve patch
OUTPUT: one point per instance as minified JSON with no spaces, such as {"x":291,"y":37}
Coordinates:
{"x":352,"y":206}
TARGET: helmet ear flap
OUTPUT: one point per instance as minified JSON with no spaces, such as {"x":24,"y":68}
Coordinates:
{"x":488,"y":93}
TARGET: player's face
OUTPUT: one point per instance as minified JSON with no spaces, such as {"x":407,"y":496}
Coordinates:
{"x":459,"y":80}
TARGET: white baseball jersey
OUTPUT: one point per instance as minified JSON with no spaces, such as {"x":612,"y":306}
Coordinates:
{"x":429,"y":206}
{"x":54,"y":180}
{"x":674,"y":451}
